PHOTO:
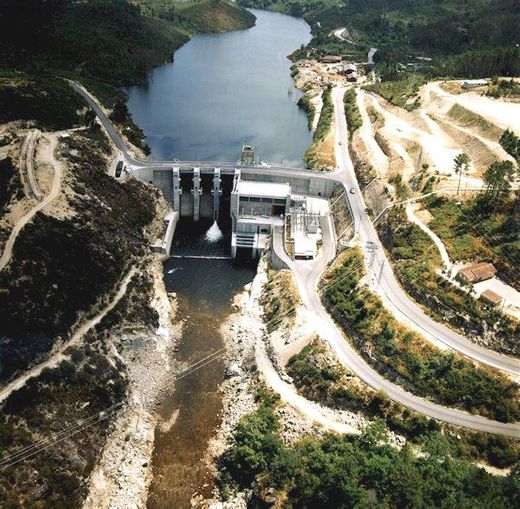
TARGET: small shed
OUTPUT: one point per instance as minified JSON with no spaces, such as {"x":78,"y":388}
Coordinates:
{"x":348,"y":69}
{"x":490,"y":297}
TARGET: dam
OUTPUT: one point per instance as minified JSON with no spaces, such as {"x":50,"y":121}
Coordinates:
{"x":253,"y":199}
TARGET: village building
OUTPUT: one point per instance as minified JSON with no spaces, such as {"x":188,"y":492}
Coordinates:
{"x":467,"y":84}
{"x":331,"y":59}
{"x":491,"y":297}
{"x":476,"y":272}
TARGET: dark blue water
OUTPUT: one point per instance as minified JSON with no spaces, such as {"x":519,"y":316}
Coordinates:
{"x":226,"y":90}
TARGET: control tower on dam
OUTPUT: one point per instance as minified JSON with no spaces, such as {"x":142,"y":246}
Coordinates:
{"x":255,"y":200}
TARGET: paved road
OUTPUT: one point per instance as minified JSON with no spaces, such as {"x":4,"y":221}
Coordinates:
{"x":307,"y":276}
{"x":389,"y":288}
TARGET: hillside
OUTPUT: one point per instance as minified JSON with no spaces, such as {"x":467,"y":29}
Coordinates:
{"x":201,"y":16}
{"x":113,"y":40}
{"x":79,"y":269}
{"x":462,"y":38}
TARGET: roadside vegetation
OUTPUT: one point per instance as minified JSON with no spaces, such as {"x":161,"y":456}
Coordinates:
{"x":312,"y":156}
{"x":352,"y":115}
{"x":416,"y":261}
{"x":503,"y":88}
{"x":321,"y":378}
{"x":405,"y":357}
{"x":279,"y":298}
{"x":353,"y":471}
{"x":326,"y":116}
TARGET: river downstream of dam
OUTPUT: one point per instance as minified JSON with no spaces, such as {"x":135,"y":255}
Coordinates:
{"x":221,"y":91}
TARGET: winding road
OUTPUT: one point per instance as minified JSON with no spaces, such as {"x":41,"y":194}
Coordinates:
{"x":308,"y":274}
{"x":58,"y":354}
{"x":53,"y":194}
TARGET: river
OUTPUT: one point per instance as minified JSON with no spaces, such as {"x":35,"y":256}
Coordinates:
{"x":225,"y":90}
{"x":221,"y":91}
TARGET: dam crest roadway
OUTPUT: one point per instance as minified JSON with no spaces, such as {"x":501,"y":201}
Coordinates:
{"x":206,"y":176}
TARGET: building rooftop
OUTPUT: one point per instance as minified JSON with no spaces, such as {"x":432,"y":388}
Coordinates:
{"x":263,"y":189}
{"x":491,"y":297}
{"x":478,"y":272}
{"x":305,"y":247}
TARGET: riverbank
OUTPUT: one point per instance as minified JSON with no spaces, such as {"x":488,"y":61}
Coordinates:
{"x":257,"y":382}
{"x":123,"y":473}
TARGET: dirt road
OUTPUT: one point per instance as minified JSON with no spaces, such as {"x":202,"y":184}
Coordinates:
{"x":53,"y":194}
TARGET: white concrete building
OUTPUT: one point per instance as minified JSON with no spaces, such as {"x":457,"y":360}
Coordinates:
{"x":255,"y":208}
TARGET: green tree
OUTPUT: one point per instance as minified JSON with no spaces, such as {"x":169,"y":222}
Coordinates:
{"x":498,"y":178}
{"x":461,"y":166}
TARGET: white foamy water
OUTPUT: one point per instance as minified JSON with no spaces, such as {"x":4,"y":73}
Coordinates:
{"x":214,"y":234}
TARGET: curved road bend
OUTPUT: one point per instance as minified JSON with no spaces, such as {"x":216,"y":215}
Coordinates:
{"x":388,"y":284}
{"x":307,"y":276}
{"x":345,"y":175}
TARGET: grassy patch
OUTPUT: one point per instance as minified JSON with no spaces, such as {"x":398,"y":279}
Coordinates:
{"x":468,"y":118}
{"x":403,"y":93}
{"x":405,"y":357}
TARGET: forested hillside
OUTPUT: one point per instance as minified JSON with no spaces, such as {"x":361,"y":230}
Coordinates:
{"x":470,"y":38}
{"x":113,"y":40}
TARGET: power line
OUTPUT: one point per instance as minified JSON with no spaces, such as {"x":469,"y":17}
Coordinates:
{"x":44,"y":444}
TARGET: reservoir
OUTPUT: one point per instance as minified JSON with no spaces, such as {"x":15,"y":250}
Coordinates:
{"x":225,"y":90}
{"x":221,"y":91}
